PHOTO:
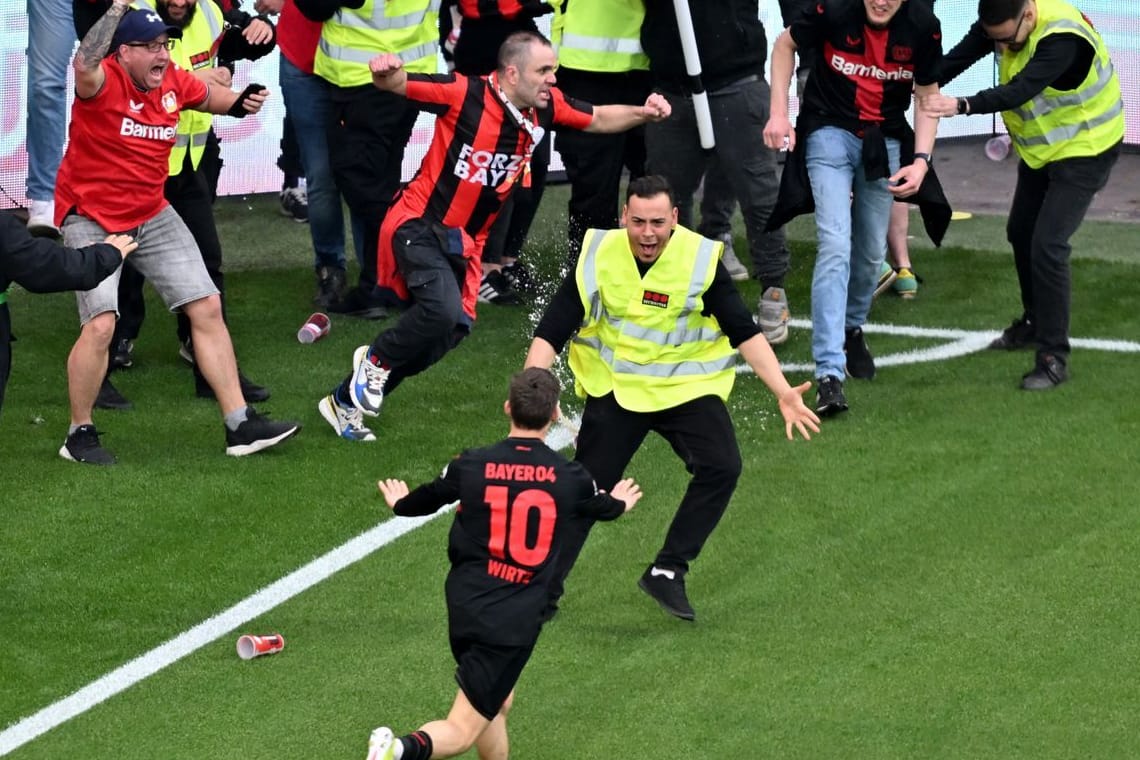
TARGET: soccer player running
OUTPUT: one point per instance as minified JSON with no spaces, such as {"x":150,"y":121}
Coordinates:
{"x":656,"y":325}
{"x":1059,"y":97}
{"x":514,"y":499}
{"x":432,"y":238}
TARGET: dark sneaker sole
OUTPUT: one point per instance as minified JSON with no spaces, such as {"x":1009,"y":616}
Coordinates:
{"x":66,"y":454}
{"x":682,"y":614}
{"x":244,"y":449}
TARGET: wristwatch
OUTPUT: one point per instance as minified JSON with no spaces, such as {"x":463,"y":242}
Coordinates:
{"x":924,"y":156}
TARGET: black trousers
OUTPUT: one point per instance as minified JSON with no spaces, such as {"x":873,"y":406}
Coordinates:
{"x":594,"y":162}
{"x":368,"y":133}
{"x":1049,"y":205}
{"x":701,"y":434}
{"x":191,"y":194}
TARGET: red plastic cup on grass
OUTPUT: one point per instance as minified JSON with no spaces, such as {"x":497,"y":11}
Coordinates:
{"x":315,"y":328}
{"x":250,"y":646}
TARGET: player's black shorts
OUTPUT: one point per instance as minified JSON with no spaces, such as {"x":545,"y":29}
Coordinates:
{"x":487,"y":672}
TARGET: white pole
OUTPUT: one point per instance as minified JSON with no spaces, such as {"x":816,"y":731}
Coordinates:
{"x":693,"y":67}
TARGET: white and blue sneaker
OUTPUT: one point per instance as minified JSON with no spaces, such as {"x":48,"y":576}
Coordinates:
{"x":382,"y":745}
{"x":348,"y":423}
{"x":367,"y":390}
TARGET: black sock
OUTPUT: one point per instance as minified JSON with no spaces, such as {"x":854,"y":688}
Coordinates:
{"x":417,"y":746}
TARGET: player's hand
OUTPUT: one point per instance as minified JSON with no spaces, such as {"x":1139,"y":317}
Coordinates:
{"x":626,"y":491}
{"x":779,"y":134}
{"x":796,"y":414}
{"x":255,"y":100}
{"x":125,"y":243}
{"x":656,"y":108}
{"x":257,"y":32}
{"x":393,"y":490}
{"x":385,"y":65}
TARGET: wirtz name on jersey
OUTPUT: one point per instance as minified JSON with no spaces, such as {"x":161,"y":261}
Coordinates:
{"x":484,"y":167}
{"x":132,"y":128}
{"x":855,"y":69}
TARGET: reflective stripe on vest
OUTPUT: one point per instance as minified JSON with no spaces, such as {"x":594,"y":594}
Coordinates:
{"x":200,"y":37}
{"x":600,"y":35}
{"x":657,"y":366}
{"x":1059,"y":124}
{"x":351,"y":38}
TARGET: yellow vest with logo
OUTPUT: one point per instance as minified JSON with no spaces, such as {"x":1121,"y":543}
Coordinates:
{"x":193,"y":52}
{"x":1059,"y":124}
{"x":600,"y":35}
{"x":351,"y":38}
{"x":644,"y":338}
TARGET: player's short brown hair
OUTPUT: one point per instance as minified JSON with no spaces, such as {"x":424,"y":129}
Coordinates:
{"x":533,"y":397}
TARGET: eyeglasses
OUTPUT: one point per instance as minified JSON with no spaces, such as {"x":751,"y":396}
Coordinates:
{"x":1012,"y":39}
{"x":154,"y":46}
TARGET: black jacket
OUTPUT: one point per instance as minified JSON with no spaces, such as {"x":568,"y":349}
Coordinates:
{"x":44,"y":266}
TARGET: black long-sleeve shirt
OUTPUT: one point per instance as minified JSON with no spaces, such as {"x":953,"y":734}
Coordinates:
{"x":1060,"y":61}
{"x":722,"y":300}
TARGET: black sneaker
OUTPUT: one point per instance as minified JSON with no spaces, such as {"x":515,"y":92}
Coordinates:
{"x":1020,"y":334}
{"x":295,"y":203}
{"x":667,"y":587}
{"x":1049,"y":373}
{"x":355,"y":303}
{"x":520,"y":278}
{"x":83,"y":446}
{"x":122,"y":354}
{"x":256,"y":433}
{"x":860,"y":363}
{"x":495,"y":289}
{"x":829,"y":398}
{"x":110,"y":398}
{"x":330,"y":286}
{"x":250,"y":391}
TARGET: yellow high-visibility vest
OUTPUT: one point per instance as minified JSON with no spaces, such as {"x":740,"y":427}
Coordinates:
{"x":196,"y":50}
{"x":1059,"y":124}
{"x":353,"y":37}
{"x":644,"y":338}
{"x":600,"y":35}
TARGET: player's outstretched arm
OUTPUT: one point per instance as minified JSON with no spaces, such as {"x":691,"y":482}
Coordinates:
{"x":393,"y":490}
{"x":764,"y":363}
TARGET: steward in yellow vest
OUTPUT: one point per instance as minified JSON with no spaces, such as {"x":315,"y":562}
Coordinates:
{"x":1059,"y":97}
{"x":656,"y":323}
{"x":353,"y":36}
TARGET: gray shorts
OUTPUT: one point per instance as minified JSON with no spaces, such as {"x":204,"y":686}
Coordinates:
{"x":167,"y":256}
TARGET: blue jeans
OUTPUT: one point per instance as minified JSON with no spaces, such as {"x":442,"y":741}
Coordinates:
{"x":51,"y":38}
{"x":851,"y":218}
{"x":307,"y":102}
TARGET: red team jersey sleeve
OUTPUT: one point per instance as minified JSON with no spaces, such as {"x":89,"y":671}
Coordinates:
{"x":568,"y":112}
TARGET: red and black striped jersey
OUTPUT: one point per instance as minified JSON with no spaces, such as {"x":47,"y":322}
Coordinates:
{"x":861,"y":74}
{"x":506,"y":9}
{"x":478,"y":154}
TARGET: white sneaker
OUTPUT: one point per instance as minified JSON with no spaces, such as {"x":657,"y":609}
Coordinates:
{"x":348,"y":423}
{"x":736,"y":270}
{"x":367,"y":390}
{"x":41,"y":218}
{"x":382,"y":745}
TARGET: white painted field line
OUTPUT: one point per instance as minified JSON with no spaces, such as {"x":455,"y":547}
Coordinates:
{"x":278,"y":592}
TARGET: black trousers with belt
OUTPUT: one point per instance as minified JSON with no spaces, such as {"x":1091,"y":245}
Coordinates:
{"x":701,"y":434}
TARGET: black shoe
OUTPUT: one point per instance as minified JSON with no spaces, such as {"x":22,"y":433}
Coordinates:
{"x":83,"y":446}
{"x":355,"y":303}
{"x":110,"y":398}
{"x":829,"y":398}
{"x":295,"y":203}
{"x":520,"y":278}
{"x":250,"y":391}
{"x":257,"y":433}
{"x":330,"y":286}
{"x":1020,"y":334}
{"x":667,"y":587}
{"x":495,"y":289}
{"x":1049,"y":373}
{"x":122,"y":354}
{"x":860,"y":363}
